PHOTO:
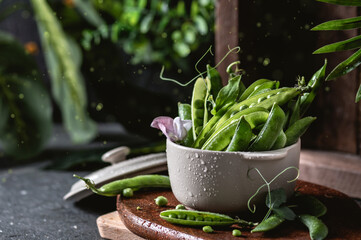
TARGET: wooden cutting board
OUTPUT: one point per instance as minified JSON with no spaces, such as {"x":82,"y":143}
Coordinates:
{"x":343,"y":219}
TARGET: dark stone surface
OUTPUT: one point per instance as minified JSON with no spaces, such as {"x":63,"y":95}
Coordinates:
{"x":32,"y":206}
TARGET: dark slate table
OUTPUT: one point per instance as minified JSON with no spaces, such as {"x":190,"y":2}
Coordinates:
{"x":31,"y":197}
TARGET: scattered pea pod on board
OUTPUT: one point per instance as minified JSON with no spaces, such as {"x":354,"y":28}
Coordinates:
{"x":200,"y":218}
{"x":116,"y":187}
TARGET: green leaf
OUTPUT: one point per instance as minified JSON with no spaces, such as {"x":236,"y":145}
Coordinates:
{"x":88,"y":11}
{"x":276,"y":198}
{"x":26,"y":115}
{"x":201,"y":25}
{"x":340,"y":24}
{"x":146,"y":23}
{"x":310,"y":205}
{"x":285,"y":212}
{"x":228,"y":94}
{"x":182,"y":49}
{"x":348,"y":44}
{"x":346,"y":66}
{"x":343,"y":2}
{"x":63,"y":58}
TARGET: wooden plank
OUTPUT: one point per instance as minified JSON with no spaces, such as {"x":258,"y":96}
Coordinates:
{"x":226,"y":34}
{"x":339,"y":171}
{"x":110,"y":226}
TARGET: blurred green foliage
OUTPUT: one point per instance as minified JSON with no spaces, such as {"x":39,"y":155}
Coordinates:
{"x":154,"y":31}
{"x":141,"y":32}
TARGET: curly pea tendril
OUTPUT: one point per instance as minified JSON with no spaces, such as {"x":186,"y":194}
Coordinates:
{"x":200,"y":74}
{"x":267,"y":184}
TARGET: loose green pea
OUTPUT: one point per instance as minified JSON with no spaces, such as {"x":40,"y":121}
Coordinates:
{"x":180,"y":206}
{"x":128,"y":192}
{"x":161,"y":201}
{"x":207,"y":229}
{"x":236,"y":233}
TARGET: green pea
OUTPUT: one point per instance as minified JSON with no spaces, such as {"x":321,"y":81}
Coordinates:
{"x":207,"y":229}
{"x":182,"y":216}
{"x":208,"y":219}
{"x":172,"y":215}
{"x":261,"y":99}
{"x":199,"y":218}
{"x":236,"y":233}
{"x":128,"y":192}
{"x":191,"y":217}
{"x":180,"y":206}
{"x":161,"y":201}
{"x":198,"y":103}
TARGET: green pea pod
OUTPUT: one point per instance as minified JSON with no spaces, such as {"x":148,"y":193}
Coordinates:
{"x":270,"y":131}
{"x":222,"y":135}
{"x":198,"y":98}
{"x":296,"y":130}
{"x":208,"y":96}
{"x":242,"y":136}
{"x":315,"y":84}
{"x":251,"y":88}
{"x":210,"y":124}
{"x":265,"y":100}
{"x":318,"y":230}
{"x":199,"y":218}
{"x":280,"y":141}
{"x":295,"y":112}
{"x":264,"y":87}
{"x":256,"y":118}
{"x":270,"y":223}
{"x":185,"y":113}
{"x":116,"y":187}
{"x":228,"y":94}
{"x":215,"y":80}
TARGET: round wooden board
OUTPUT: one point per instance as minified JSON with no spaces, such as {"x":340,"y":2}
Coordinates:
{"x":343,"y":218}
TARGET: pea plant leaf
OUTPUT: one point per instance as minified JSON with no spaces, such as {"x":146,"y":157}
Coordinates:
{"x":348,"y":44}
{"x":343,"y":2}
{"x":346,"y":66}
{"x":228,"y":93}
{"x":26,"y":111}
{"x":25,"y":107}
{"x":285,"y":212}
{"x":87,"y":10}
{"x":63,"y":60}
{"x":340,"y":24}
{"x":275,"y":198}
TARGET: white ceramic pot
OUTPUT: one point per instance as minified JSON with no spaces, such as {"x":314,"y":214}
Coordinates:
{"x":224,"y":181}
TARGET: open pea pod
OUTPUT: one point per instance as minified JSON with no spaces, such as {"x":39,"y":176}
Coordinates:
{"x":265,"y":100}
{"x":185,"y":113}
{"x":196,"y":218}
{"x":197,"y":104}
{"x":270,"y":131}
{"x":264,"y":87}
{"x":251,"y":88}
